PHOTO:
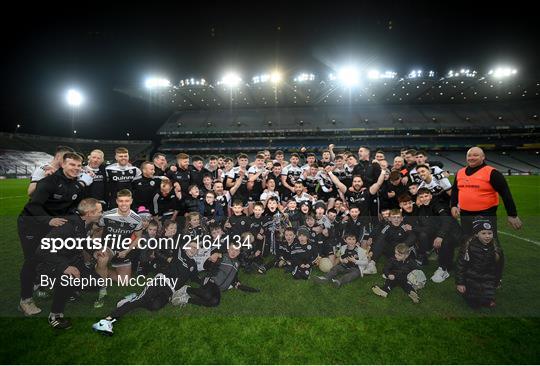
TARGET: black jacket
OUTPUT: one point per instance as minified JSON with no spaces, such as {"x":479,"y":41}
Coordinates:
{"x":55,"y":195}
{"x":479,"y":267}
{"x":398,"y":268}
{"x":368,"y":171}
{"x":57,"y":262}
{"x":436,"y":218}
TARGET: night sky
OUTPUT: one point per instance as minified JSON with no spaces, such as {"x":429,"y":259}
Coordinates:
{"x":99,"y":49}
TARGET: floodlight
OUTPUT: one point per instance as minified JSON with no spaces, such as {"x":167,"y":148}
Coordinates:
{"x":502,"y":72}
{"x":275,"y":77}
{"x":231,"y":80}
{"x":155,"y":82}
{"x":348,"y":76}
{"x":74,"y":98}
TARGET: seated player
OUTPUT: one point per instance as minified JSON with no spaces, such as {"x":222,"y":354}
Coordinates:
{"x":180,"y":270}
{"x":118,"y":223}
{"x":396,"y":270}
{"x":354,"y":262}
{"x":283,"y":256}
{"x":303,"y":255}
{"x":223,"y":277}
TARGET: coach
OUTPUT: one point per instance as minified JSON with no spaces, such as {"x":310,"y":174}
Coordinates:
{"x":476,"y":192}
{"x":55,"y":196}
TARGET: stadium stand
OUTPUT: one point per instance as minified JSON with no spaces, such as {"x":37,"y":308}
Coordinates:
{"x":21,"y":153}
{"x":21,"y":163}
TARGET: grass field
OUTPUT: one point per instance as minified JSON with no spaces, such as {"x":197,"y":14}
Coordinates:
{"x":290,"y":321}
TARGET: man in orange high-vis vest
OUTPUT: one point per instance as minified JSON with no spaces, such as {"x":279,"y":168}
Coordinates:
{"x":476,"y":192}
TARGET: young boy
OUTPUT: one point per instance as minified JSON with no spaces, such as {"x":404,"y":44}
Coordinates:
{"x":391,"y":235}
{"x":238,"y":223}
{"x":147,"y":255}
{"x":283,"y":256}
{"x":303,"y":254}
{"x":396,"y":270}
{"x":258,"y":226}
{"x":353,"y":263}
{"x":479,"y":266}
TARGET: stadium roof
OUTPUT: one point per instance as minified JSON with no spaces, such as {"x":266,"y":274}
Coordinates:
{"x":326,"y":89}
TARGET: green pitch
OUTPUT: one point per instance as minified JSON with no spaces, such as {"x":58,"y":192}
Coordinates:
{"x":290,"y":321}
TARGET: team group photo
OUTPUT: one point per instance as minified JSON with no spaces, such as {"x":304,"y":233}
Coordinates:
{"x":266,"y":195}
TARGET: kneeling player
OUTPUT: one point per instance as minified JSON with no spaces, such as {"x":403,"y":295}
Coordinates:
{"x":69,"y":262}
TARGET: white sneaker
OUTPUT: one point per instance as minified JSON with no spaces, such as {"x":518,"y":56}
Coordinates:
{"x":440,"y":275}
{"x":28,"y":307}
{"x":126,"y":299}
{"x":104,"y":326}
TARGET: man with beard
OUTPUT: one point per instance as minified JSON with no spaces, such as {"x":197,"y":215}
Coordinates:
{"x":358,"y":194}
{"x":366,"y":169}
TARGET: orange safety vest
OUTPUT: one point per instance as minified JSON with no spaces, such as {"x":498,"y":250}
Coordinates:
{"x":475,"y":193}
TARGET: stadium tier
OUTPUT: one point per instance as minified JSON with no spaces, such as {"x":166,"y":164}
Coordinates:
{"x":20,"y":153}
{"x":353,"y":120}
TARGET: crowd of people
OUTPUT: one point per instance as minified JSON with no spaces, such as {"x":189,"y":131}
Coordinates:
{"x":344,"y":214}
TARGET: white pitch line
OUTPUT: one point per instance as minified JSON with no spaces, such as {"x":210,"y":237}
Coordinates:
{"x":521,"y":238}
{"x":6,"y":198}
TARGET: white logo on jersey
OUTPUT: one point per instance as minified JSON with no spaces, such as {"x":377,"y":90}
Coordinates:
{"x":74,"y":197}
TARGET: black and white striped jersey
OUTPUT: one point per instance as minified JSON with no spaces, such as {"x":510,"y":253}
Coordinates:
{"x":120,"y":177}
{"x":233,"y":175}
{"x":437,"y":185}
{"x":436,"y":172}
{"x":304,"y":197}
{"x":292,"y":173}
{"x":122,"y":226}
{"x":325,"y":182}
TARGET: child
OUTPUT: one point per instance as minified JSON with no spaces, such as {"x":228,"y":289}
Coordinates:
{"x":238,"y":223}
{"x":391,"y":235}
{"x":274,"y":225}
{"x":354,"y":262}
{"x":208,"y":255}
{"x":293,"y":213}
{"x":303,"y":255}
{"x":283,"y":256}
{"x":396,"y":270}
{"x":479,"y":266}
{"x":251,"y":258}
{"x":191,"y":202}
{"x":193,"y":226}
{"x":258,"y":227}
{"x":147,"y":256}
{"x":210,"y":209}
{"x":318,"y":238}
{"x":165,"y":253}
